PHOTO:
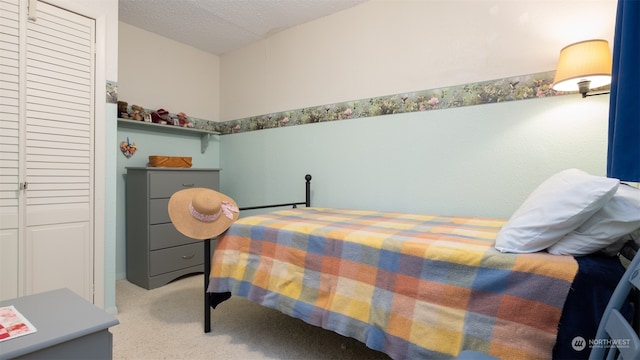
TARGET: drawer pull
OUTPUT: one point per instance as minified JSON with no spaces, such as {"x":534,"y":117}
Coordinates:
{"x":188,"y":185}
{"x":187,"y":257}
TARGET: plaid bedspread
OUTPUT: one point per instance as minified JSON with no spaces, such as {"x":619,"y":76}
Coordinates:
{"x":412,"y":286}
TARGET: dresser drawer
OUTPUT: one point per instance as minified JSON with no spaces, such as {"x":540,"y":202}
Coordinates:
{"x":176,"y":258}
{"x":165,"y":235}
{"x":164,"y":183}
{"x":158,"y":211}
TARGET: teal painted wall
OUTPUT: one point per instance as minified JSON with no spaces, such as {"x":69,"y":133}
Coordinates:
{"x":478,"y":160}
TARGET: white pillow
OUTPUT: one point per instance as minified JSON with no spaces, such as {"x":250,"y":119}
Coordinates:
{"x":618,"y":217}
{"x":556,"y":207}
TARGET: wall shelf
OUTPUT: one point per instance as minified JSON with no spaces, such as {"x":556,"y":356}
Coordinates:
{"x":205,"y":135}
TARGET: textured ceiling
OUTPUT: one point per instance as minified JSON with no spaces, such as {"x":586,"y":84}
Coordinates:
{"x":221,"y":26}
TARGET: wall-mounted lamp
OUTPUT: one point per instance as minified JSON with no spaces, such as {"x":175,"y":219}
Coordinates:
{"x":583,"y":66}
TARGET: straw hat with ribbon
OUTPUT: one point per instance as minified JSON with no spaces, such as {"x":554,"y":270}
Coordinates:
{"x":201,"y":213}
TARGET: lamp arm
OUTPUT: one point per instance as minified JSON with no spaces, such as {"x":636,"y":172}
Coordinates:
{"x":595,"y":94}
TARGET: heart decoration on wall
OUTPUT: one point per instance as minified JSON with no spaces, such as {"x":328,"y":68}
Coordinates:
{"x":128,"y":148}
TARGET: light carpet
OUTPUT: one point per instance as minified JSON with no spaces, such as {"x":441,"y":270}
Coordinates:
{"x":167,"y":323}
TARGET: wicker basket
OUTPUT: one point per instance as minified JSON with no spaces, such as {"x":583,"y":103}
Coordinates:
{"x":170,"y":161}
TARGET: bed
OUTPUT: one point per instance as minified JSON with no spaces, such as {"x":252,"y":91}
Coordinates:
{"x":414,"y":286}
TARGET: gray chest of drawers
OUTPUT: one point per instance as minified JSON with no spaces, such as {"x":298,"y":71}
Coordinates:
{"x":156,"y":252}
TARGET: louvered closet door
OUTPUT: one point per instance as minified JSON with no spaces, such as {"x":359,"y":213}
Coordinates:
{"x":59,"y":151}
{"x":9,"y":146}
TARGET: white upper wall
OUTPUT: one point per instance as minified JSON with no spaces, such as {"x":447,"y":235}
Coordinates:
{"x":156,"y":72}
{"x":393,"y":46}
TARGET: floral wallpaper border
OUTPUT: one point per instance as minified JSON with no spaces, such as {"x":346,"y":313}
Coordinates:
{"x":112,"y":92}
{"x":487,"y":92}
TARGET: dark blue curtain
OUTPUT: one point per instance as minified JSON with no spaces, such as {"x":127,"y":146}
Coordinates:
{"x":623,"y":158}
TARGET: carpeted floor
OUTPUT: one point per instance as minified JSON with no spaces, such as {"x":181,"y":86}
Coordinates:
{"x":166,"y":323}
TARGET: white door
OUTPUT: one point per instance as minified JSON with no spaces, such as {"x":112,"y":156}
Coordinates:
{"x":46,"y":150}
{"x":9,"y":147}
{"x":58,"y":151}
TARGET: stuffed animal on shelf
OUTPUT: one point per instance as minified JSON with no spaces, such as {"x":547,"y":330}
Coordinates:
{"x":161,"y":116}
{"x":137,"y":112}
{"x":123,"y":108}
{"x":183,"y":120}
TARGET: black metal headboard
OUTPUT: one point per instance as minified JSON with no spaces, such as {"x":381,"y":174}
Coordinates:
{"x":307,"y":200}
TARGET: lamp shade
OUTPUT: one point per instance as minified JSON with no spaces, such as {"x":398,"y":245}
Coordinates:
{"x":588,"y":60}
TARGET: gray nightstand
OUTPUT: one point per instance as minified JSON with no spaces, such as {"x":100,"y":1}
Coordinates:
{"x":69,"y":327}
